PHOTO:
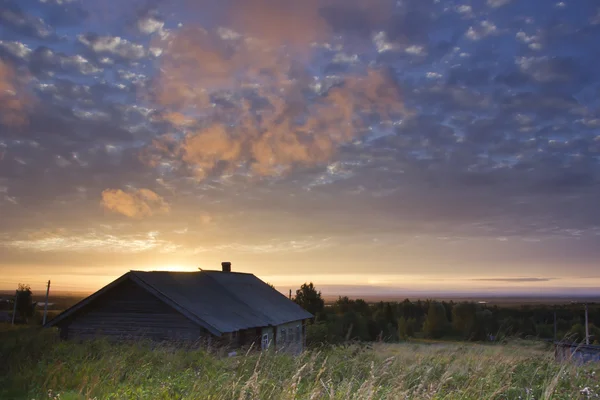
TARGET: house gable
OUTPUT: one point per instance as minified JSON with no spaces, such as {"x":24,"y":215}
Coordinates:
{"x":128,"y":295}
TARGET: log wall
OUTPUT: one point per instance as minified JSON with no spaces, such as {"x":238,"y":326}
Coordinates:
{"x":129,"y":312}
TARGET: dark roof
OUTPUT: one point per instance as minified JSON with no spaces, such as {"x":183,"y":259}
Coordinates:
{"x":219,"y":301}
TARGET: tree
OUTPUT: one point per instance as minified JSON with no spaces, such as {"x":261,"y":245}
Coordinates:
{"x":464,"y":319}
{"x":308,"y":298}
{"x":403,"y":328}
{"x":25,"y":304}
{"x":436,"y":324}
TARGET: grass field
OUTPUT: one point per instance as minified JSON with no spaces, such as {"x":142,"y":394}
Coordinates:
{"x":36,"y":365}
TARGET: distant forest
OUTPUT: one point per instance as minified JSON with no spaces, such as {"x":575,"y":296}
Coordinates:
{"x":355,"y":319}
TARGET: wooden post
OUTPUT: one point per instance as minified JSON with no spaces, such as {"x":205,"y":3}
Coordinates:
{"x":15,"y":307}
{"x":587,"y":333}
{"x":46,"y":305}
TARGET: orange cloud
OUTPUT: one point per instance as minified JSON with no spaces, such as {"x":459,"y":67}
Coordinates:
{"x":271,"y":141}
{"x":194,"y":62}
{"x":293,"y":23}
{"x":13,"y":100}
{"x":137,"y":204}
{"x":240,"y":97}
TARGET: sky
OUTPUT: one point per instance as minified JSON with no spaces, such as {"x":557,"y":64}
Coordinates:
{"x":372,"y":146}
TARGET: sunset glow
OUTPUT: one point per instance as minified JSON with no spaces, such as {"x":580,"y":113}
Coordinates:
{"x":367,"y":146}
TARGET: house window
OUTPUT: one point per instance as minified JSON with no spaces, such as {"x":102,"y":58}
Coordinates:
{"x":265,"y":341}
{"x":283,"y":336}
{"x":298,"y":333}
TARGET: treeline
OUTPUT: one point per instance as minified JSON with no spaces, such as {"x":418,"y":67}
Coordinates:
{"x":348,"y":319}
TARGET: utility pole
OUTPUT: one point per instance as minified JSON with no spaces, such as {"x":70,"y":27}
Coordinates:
{"x":46,"y":304}
{"x":290,"y":296}
{"x":15,"y":307}
{"x":587,"y":333}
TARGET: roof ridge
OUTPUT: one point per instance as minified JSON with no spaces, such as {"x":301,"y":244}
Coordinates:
{"x":204,"y":271}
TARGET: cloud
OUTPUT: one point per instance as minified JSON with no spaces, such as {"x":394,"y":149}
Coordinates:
{"x":149,"y":25}
{"x":62,"y":240}
{"x":18,"y":50}
{"x":246,"y":101}
{"x":497,"y":3}
{"x":21,"y":23}
{"x":136,"y":204}
{"x":277,"y":22}
{"x":113,"y":45}
{"x":13,"y":97}
{"x":361,"y":18}
{"x":286,"y":131}
{"x":277,"y":246}
{"x":482,"y":30}
{"x":549,"y":70}
{"x":45,"y":61}
{"x":514,"y":280}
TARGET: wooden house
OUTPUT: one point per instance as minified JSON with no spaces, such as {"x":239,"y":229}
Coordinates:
{"x":218,"y":307}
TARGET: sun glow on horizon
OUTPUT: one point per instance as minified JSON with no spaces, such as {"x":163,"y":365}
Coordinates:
{"x":174,"y":268}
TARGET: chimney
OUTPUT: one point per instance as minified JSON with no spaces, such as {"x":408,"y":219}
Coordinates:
{"x":226,"y":265}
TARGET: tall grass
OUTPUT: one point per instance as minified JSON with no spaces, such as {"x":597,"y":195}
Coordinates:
{"x":36,"y":365}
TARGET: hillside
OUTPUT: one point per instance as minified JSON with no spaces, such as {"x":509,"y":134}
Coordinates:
{"x":36,"y":365}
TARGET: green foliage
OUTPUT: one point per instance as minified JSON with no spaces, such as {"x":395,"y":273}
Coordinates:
{"x":464,"y":319}
{"x":317,"y":334}
{"x":404,"y":329}
{"x":577,"y":332}
{"x":25,"y":304}
{"x":309,"y":299}
{"x":436,"y":323}
{"x":36,"y":365}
